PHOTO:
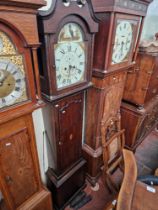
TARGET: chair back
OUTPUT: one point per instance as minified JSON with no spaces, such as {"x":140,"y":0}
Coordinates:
{"x":112,"y":149}
{"x":128,"y":185}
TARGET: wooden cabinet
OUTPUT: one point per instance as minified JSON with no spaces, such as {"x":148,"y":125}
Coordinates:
{"x":39,"y":201}
{"x":103,"y":105}
{"x":19,"y":173}
{"x":142,"y":80}
{"x":138,"y":122}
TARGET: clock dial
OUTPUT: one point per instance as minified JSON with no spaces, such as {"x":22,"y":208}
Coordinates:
{"x":12,"y":83}
{"x":123,"y":41}
{"x":70,"y":57}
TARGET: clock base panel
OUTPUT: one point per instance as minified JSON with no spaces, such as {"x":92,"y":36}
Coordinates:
{"x":65,"y":188}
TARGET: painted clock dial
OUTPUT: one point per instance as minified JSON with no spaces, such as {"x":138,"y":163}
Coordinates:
{"x":70,"y":56}
{"x":123,"y":41}
{"x":12,"y":74}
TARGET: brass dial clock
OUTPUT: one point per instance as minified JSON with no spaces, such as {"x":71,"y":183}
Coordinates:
{"x":123,"y":41}
{"x":12,"y":83}
{"x":70,"y":56}
{"x":12,"y":74}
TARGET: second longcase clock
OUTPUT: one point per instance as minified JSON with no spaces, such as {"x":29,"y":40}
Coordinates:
{"x":115,"y":49}
{"x":66,"y":30}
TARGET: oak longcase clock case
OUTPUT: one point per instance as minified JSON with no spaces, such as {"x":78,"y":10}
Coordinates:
{"x":20,"y":181}
{"x":115,"y":50}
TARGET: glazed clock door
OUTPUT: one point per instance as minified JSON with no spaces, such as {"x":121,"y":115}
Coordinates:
{"x":70,"y":56}
{"x":70,"y":130}
{"x":18,"y":175}
{"x":16,"y":71}
{"x":12,"y":75}
{"x":124,"y":40}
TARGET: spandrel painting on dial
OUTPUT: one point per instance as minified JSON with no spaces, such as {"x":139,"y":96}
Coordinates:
{"x":12,"y":76}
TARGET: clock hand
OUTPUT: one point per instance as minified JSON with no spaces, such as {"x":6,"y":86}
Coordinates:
{"x":1,"y":75}
{"x":70,"y":67}
{"x":4,"y":78}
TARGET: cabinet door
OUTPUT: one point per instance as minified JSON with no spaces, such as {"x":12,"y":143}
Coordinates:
{"x":70,"y":117}
{"x":17,"y":172}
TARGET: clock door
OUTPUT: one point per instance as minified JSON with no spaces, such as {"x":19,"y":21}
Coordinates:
{"x":70,"y":57}
{"x":14,"y":81}
{"x":70,"y":130}
{"x":124,"y":41}
{"x":18,"y":174}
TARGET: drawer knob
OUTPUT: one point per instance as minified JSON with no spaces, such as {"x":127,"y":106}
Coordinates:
{"x":63,"y":112}
{"x":57,"y":105}
{"x":60,"y":143}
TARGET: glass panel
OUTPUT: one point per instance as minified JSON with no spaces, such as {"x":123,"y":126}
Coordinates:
{"x":123,"y":40}
{"x":70,"y":56}
{"x":12,"y":74}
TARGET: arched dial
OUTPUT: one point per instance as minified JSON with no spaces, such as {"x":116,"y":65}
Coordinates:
{"x":70,"y":57}
{"x":123,"y":41}
{"x":12,"y":83}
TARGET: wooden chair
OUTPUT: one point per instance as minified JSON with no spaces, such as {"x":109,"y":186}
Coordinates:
{"x":112,"y":158}
{"x":135,"y":195}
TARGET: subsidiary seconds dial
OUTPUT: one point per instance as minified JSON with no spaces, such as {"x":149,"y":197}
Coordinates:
{"x":70,"y":63}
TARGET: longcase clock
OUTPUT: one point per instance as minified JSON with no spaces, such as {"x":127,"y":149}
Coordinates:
{"x":66,"y":31}
{"x":20,"y":181}
{"x":115,"y":49}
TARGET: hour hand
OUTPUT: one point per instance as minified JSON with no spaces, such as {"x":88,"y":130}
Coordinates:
{"x":5,"y":76}
{"x":2,"y":76}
